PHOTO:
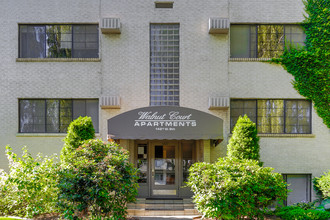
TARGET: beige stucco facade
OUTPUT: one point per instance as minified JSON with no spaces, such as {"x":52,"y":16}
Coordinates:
{"x":122,"y":70}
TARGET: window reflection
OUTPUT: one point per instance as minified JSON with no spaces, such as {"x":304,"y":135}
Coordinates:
{"x":164,"y":165}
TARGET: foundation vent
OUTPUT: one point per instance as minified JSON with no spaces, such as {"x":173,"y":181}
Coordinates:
{"x":110,"y":26}
{"x":219,"y":25}
{"x":110,"y":102}
{"x":219,"y":103}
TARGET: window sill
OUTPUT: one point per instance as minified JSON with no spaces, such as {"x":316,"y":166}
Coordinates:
{"x":287,"y":135}
{"x":46,"y":135}
{"x":284,"y":135}
{"x":249,"y":59}
{"x":58,"y":59}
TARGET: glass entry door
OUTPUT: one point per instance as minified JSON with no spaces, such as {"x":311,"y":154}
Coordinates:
{"x":164,"y":169}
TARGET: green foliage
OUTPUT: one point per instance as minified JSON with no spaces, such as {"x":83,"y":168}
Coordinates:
{"x":79,"y":130}
{"x":298,"y":213}
{"x":29,"y":189}
{"x":232,"y":188}
{"x":322,"y":185}
{"x":310,"y":65}
{"x":305,"y":205}
{"x":98,"y":182}
{"x":244,"y":143}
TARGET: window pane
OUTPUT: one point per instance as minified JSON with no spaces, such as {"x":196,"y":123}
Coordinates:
{"x":32,"y":116}
{"x":240,"y":41}
{"x":32,"y":41}
{"x":92,"y":110}
{"x":270,"y":116}
{"x":188,"y":151}
{"x":164,"y":64}
{"x":297,"y":117}
{"x":89,"y":107}
{"x":294,"y":35}
{"x":142,"y":163}
{"x":59,"y":41}
{"x":270,"y":40}
{"x":52,"y":117}
{"x":241,"y":108}
{"x":79,"y":108}
{"x":65,"y":114}
{"x":85,"y":41}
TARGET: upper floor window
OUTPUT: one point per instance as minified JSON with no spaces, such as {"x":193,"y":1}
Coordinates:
{"x":58,"y":41}
{"x":164,"y":64}
{"x":264,"y":40}
{"x":55,"y":115}
{"x":273,"y":116}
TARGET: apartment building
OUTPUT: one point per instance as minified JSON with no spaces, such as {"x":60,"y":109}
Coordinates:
{"x":165,"y":79}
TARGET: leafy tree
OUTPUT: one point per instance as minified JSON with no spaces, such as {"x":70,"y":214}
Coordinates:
{"x":310,"y":65}
{"x":233,"y":188}
{"x":29,"y":189}
{"x":244,"y":143}
{"x":79,"y":130}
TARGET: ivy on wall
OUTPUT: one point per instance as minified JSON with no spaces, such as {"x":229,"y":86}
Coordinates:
{"x":310,"y":65}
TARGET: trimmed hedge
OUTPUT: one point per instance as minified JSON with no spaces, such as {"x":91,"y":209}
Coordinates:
{"x":232,"y":188}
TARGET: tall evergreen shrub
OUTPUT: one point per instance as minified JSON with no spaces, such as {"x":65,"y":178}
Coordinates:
{"x":79,"y":130}
{"x":244,"y":143}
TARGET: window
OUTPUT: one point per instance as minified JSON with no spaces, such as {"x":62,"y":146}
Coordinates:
{"x":163,"y":4}
{"x":263,"y":41}
{"x":55,"y":115}
{"x":164,"y":64}
{"x":274,"y":116}
{"x":142,"y":162}
{"x":300,"y":186}
{"x":58,"y":41}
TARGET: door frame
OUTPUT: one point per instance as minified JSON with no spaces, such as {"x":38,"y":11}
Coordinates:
{"x":164,"y":190}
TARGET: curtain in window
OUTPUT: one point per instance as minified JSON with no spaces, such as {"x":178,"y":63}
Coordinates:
{"x":270,"y":40}
{"x":270,"y":116}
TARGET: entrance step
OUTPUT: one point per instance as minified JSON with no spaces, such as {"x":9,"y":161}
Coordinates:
{"x":161,"y":207}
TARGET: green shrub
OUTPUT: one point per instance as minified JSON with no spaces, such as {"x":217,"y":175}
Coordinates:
{"x":322,"y":185}
{"x":98,"y":182}
{"x":305,"y":205}
{"x":79,"y":130}
{"x":232,"y":188}
{"x":29,"y":189}
{"x":298,"y":213}
{"x":244,"y":143}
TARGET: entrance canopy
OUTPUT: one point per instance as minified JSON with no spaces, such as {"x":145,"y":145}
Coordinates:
{"x":165,"y":122}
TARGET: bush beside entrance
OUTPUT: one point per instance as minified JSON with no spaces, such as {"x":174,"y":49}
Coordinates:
{"x":94,"y":179}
